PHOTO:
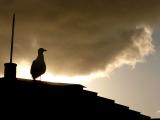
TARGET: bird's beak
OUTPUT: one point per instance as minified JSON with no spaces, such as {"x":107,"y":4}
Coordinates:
{"x":45,"y":50}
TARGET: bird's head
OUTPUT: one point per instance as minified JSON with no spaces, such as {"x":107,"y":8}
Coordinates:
{"x":41,"y":50}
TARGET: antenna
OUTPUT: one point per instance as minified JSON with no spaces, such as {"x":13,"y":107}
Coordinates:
{"x":10,"y":68}
{"x":12,"y":38}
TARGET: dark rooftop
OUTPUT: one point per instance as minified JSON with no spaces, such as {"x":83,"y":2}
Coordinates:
{"x":41,"y":99}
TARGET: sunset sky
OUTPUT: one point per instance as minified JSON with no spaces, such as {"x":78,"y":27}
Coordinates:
{"x":110,"y":46}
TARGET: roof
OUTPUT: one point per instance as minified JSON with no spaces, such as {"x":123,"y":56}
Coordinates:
{"x":41,"y":88}
{"x":44,"y":83}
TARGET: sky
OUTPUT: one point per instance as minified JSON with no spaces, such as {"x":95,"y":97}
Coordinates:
{"x":110,"y":46}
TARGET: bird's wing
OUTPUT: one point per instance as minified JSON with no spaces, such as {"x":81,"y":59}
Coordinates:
{"x":37,"y":68}
{"x":34,"y":67}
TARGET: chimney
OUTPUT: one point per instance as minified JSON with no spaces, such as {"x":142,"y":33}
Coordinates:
{"x":10,"y":71}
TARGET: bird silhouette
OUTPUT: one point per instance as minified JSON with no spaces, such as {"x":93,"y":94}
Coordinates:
{"x":38,"y":66}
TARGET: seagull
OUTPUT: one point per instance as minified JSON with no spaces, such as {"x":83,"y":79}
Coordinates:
{"x":38,"y":66}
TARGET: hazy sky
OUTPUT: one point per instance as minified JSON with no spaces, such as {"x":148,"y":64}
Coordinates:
{"x":116,"y":42}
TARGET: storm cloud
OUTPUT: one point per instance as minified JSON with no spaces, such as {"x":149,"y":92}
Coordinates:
{"x":81,"y":36}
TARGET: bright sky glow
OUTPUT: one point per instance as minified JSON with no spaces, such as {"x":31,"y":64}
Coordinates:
{"x":23,"y":71}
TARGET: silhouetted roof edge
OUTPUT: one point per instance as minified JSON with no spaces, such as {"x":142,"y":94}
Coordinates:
{"x":45,"y":83}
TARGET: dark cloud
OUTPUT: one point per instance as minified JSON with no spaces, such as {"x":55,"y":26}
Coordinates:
{"x":82,"y":36}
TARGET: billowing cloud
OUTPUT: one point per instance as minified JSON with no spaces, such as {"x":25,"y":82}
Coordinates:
{"x":140,"y":46}
{"x":81,"y":36}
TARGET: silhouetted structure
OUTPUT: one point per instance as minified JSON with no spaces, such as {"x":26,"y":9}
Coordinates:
{"x":58,"y":100}
{"x":38,"y":66}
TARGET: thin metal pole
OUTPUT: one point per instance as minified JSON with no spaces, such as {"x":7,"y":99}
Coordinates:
{"x":12,"y":38}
